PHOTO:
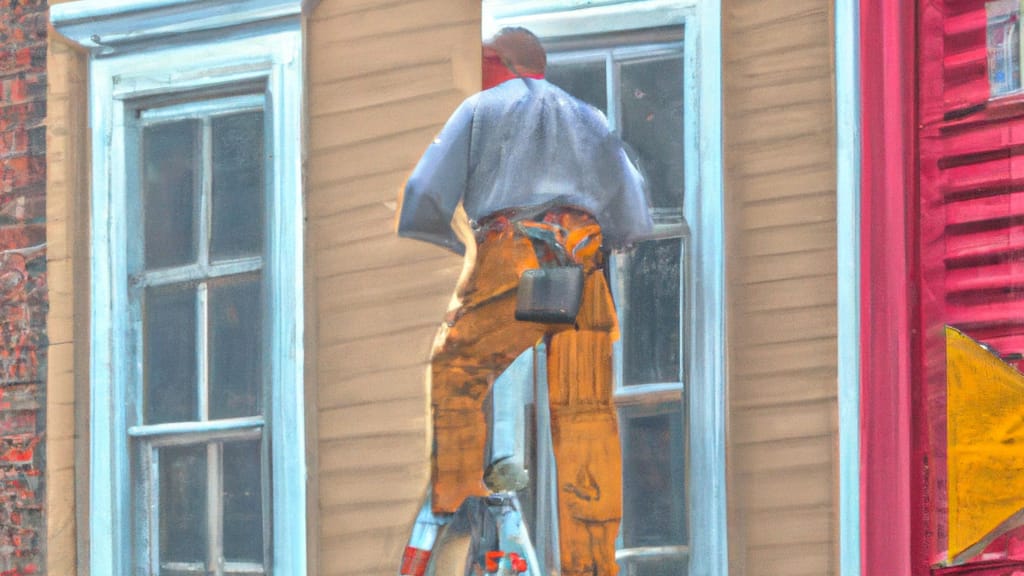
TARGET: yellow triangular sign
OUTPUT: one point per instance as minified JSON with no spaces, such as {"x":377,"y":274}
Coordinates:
{"x":985,"y":442}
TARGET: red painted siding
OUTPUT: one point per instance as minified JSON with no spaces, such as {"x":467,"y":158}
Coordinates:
{"x":23,"y":298}
{"x":971,"y":234}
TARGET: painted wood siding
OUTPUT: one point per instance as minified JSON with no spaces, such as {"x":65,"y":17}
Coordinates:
{"x":781,"y":258}
{"x":970,"y":224}
{"x":67,"y":328}
{"x":383,"y":78}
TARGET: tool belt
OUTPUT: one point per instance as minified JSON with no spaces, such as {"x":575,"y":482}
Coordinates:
{"x":565,"y":240}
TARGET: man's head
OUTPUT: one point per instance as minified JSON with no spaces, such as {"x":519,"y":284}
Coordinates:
{"x":512,"y":52}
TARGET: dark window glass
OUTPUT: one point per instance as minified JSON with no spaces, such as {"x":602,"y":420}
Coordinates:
{"x":169,"y":197}
{"x":651,"y":342}
{"x":243,"y":502}
{"x":169,"y":326}
{"x":652,"y":125}
{"x":654,"y":511}
{"x":236,"y":346}
{"x":238,"y":185}
{"x":584,"y":80}
{"x":182,"y":504}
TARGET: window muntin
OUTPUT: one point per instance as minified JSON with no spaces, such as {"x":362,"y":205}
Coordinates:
{"x":202,"y":481}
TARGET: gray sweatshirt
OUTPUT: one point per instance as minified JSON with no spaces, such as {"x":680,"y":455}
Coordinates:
{"x":525,"y":144}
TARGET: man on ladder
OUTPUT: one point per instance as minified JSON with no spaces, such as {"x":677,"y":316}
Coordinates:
{"x":547,"y":188}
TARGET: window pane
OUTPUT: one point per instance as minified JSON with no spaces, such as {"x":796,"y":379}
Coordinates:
{"x":1003,"y":40}
{"x":236,"y":344}
{"x":238,"y":187}
{"x":171,"y":176}
{"x":652,"y":124}
{"x":584,"y":80}
{"x":651,"y":342}
{"x":653,"y":477}
{"x":169,"y":326}
{"x":243,"y":502}
{"x":183,"y":504}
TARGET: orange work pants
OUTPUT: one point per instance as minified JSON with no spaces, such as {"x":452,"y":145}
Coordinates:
{"x":480,"y":340}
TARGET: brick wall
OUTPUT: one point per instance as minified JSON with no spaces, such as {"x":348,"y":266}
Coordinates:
{"x":23,"y":286}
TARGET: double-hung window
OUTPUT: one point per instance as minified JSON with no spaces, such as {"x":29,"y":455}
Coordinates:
{"x":196,"y":377}
{"x":196,"y":280}
{"x":637,"y":80}
{"x":638,"y":63}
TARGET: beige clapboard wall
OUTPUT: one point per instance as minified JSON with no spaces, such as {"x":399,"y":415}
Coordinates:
{"x":67,"y":325}
{"x":781,"y":259}
{"x":383,"y":78}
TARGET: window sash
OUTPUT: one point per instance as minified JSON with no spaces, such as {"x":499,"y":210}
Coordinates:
{"x":150,"y":438}
{"x":669,"y":224}
{"x":147,"y":495}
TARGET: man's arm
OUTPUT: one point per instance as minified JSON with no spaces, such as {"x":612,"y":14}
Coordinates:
{"x":629,"y":218}
{"x":438,"y":183}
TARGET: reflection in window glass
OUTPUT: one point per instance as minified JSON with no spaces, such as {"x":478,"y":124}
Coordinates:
{"x":238,"y":188}
{"x":169,"y":365}
{"x":243,"y":503}
{"x":183,"y":504}
{"x":653,"y":473}
{"x":584,"y":80}
{"x":652,"y":124}
{"x":236,"y":346}
{"x":651,"y":337}
{"x":169,"y":154}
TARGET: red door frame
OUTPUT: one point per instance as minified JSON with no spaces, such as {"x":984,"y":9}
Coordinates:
{"x":888,"y":230}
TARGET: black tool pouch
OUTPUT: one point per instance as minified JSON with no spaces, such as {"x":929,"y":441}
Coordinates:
{"x":550,"y":294}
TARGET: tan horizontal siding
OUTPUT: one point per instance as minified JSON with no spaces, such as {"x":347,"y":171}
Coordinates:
{"x":391,"y":85}
{"x":791,"y":325}
{"x":797,"y":453}
{"x":783,"y":387}
{"x":806,"y":487}
{"x":790,"y":529}
{"x":383,"y":78}
{"x":792,"y":560}
{"x":348,"y":389}
{"x":766,"y":424}
{"x":352,"y":193}
{"x":66,"y":470}
{"x":770,"y":267}
{"x":780,"y":190}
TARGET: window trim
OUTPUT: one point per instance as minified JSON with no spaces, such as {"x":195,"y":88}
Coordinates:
{"x":848,"y":278}
{"x":703,"y":210}
{"x":129,"y":63}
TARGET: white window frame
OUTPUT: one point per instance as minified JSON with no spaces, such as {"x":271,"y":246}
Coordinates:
{"x":144,"y":48}
{"x":704,"y":303}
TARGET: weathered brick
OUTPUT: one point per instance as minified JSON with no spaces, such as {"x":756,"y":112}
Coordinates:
{"x":23,"y":285}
